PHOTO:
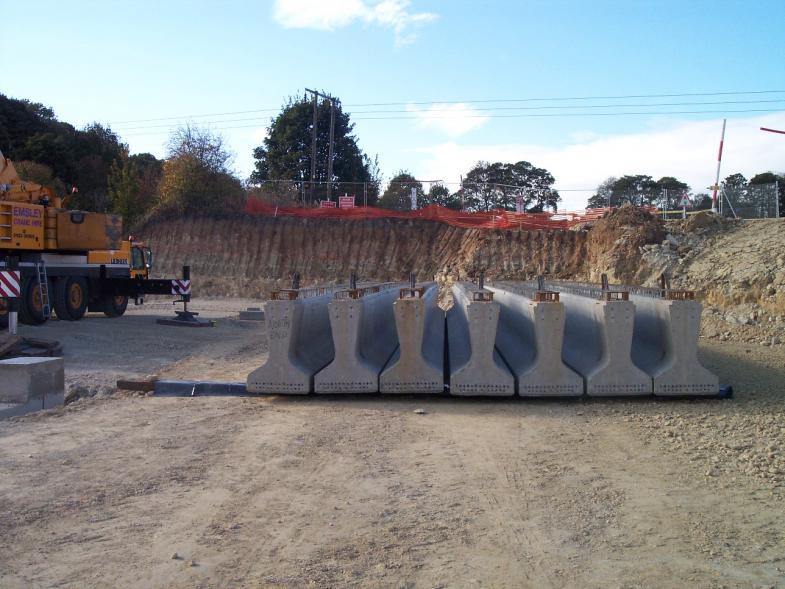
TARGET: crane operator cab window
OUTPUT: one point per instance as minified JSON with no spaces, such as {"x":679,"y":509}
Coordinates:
{"x":137,"y":259}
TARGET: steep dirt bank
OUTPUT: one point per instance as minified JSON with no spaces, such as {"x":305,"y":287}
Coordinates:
{"x":738,"y":270}
{"x":247,"y":255}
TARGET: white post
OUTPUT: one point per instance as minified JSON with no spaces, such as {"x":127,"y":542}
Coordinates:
{"x":719,"y":162}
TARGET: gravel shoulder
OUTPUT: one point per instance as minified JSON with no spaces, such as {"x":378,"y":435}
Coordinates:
{"x":361,"y":491}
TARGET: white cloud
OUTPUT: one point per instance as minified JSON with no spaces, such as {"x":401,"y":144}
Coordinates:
{"x":684,"y":149}
{"x":328,"y":15}
{"x":453,"y":120}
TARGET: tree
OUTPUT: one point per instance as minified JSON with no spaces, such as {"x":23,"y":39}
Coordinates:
{"x":133,"y":186}
{"x":771,"y":178}
{"x":40,"y":174}
{"x":702,"y":202}
{"x":602,"y":198}
{"x":496,"y":186}
{"x":672,"y":190}
{"x":398,"y":197}
{"x":83,"y":158}
{"x":96,"y":148}
{"x":736,"y":191}
{"x":638,"y":190}
{"x":286,"y":152}
{"x":440,"y":195}
{"x":196,"y":177}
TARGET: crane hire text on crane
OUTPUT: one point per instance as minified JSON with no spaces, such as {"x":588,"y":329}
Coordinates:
{"x":27,"y":217}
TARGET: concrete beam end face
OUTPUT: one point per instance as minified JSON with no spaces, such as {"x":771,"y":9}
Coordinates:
{"x":282,"y":372}
{"x":485,"y":374}
{"x":616,"y":374}
{"x":681,"y":373}
{"x":420,"y":327}
{"x":364,"y":337}
{"x":549,"y":376}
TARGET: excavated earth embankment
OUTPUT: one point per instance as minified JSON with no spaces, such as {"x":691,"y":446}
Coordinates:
{"x":248,"y":255}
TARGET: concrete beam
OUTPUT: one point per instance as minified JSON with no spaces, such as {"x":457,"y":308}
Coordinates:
{"x":364,"y":339}
{"x":300,"y":344}
{"x":476,"y":368}
{"x":598,"y":343}
{"x":530,"y":339}
{"x":665,"y":345}
{"x":417,"y":366}
{"x":30,"y":384}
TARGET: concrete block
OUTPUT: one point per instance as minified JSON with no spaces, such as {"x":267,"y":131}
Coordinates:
{"x":417,"y":366}
{"x":665,"y":345}
{"x":476,"y":368}
{"x":530,"y":339}
{"x":251,"y":314}
{"x":31,"y":384}
{"x":364,"y":338}
{"x":300,"y":344}
{"x":598,"y":345}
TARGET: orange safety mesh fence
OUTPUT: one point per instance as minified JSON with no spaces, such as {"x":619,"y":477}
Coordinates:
{"x":499,"y":219}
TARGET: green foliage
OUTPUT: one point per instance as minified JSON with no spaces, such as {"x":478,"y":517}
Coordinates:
{"x":701,"y":202}
{"x":495,"y":186}
{"x":82,"y":158}
{"x":735,"y":182}
{"x":772,"y":178}
{"x":398,"y":197}
{"x":40,"y":174}
{"x":196,"y":177}
{"x":133,"y":186}
{"x":440,"y":195}
{"x":638,"y":190}
{"x":286,"y":152}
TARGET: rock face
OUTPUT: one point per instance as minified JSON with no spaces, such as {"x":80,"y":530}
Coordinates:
{"x":249,"y":255}
{"x":614,"y":244}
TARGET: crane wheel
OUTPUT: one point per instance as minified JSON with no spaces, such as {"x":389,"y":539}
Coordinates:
{"x":31,"y":309}
{"x":70,"y":300}
{"x":114,"y":306}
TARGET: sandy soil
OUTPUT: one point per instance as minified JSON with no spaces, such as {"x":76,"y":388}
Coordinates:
{"x":332,"y":492}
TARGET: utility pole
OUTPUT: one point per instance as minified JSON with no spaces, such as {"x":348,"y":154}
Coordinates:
{"x":313,"y":141}
{"x":330,"y":151}
{"x":316,"y":96}
{"x":717,"y":177}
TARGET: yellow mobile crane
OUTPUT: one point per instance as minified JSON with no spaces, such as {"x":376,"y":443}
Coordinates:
{"x":70,"y":261}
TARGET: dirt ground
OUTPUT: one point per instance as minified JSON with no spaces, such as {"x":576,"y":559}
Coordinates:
{"x":123,"y":490}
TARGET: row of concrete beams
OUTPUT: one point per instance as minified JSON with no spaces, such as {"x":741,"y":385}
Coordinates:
{"x":547,"y":339}
{"x":630,"y":340}
{"x":327,"y":340}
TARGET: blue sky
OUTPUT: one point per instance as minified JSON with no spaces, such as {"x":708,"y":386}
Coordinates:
{"x":116,"y":62}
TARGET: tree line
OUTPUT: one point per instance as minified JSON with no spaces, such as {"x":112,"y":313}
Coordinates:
{"x":283,"y":169}
{"x":93,"y":168}
{"x":667,"y":192}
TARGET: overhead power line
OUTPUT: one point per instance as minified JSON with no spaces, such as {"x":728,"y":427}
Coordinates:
{"x":565,"y":98}
{"x":486,"y":116}
{"x":491,"y":109}
{"x":480,"y":101}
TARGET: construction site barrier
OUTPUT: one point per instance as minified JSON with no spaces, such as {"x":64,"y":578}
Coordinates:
{"x":497,"y":219}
